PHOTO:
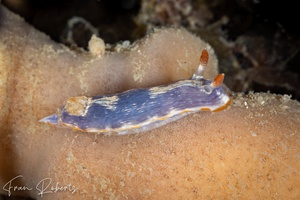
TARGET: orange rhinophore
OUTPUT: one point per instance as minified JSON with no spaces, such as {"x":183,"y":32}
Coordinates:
{"x":204,"y":57}
{"x":218,"y":80}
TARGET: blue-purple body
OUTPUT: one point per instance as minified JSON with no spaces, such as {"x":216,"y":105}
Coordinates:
{"x":143,"y":109}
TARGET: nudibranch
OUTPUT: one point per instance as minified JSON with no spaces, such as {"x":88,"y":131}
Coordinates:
{"x":143,"y":109}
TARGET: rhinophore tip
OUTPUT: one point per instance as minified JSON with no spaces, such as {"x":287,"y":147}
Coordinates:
{"x":218,"y":80}
{"x":52,"y":119}
{"x":204,"y":58}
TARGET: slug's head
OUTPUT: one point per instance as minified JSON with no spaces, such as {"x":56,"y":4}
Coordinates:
{"x":217,"y":99}
{"x":212,"y":93}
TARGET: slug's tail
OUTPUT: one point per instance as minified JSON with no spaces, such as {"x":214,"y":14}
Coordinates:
{"x":52,"y":119}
